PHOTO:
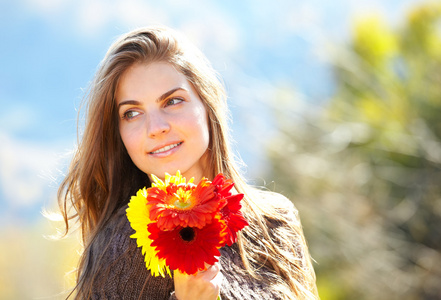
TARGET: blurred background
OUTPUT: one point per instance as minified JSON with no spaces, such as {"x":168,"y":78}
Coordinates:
{"x":335,"y":104}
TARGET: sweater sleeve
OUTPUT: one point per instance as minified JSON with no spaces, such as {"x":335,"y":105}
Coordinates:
{"x":122,"y":273}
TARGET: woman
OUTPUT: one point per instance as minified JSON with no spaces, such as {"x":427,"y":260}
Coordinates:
{"x":156,"y":106}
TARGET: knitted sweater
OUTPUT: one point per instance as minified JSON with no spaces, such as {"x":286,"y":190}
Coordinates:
{"x":123,"y":274}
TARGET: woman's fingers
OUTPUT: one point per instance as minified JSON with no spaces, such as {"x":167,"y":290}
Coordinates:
{"x":210,"y":272}
{"x":218,"y":276}
{"x":202,"y":285}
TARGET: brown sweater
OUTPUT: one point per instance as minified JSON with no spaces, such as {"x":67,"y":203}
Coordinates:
{"x":123,"y":274}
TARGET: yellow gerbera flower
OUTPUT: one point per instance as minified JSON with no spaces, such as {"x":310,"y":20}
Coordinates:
{"x":177,"y":179}
{"x":138,"y":215}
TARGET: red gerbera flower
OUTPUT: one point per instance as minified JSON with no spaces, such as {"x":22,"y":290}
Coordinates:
{"x":188,"y":249}
{"x":222,"y":185}
{"x":230,"y":211}
{"x":185,"y":205}
{"x":233,"y":218}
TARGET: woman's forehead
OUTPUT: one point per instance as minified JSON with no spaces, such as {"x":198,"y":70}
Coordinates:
{"x":153,"y":79}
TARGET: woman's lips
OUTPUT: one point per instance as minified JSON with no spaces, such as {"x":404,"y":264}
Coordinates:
{"x":166,"y":149}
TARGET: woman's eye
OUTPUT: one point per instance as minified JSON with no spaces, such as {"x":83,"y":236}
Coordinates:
{"x":173,"y":101}
{"x":130,"y":114}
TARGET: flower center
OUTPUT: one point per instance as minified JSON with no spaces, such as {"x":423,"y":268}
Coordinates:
{"x":183,"y":199}
{"x":182,"y":205}
{"x":187,"y":234}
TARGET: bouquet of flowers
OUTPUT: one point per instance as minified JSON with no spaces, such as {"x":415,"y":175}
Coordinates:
{"x":181,"y":226}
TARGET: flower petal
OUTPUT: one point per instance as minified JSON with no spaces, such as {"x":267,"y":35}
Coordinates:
{"x":138,"y":216}
{"x":188,"y":256}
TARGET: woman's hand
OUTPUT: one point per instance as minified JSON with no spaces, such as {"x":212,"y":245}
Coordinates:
{"x":204,"y":285}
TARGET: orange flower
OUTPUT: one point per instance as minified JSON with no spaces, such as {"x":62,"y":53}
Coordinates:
{"x":185,"y":205}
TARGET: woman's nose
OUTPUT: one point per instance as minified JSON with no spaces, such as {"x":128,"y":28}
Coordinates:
{"x":157,"y":125}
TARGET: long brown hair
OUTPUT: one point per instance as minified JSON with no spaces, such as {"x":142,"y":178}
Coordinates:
{"x":102,"y":177}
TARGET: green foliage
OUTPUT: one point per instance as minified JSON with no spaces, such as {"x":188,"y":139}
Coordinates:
{"x":365,"y":171}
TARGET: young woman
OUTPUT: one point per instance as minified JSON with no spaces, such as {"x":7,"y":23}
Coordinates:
{"x":156,"y":106}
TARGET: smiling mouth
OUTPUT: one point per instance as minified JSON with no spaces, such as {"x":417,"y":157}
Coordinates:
{"x":166,"y":148}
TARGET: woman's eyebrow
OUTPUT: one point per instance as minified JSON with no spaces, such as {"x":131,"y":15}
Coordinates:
{"x":128,"y":102}
{"x":171,"y":92}
{"x":161,"y":98}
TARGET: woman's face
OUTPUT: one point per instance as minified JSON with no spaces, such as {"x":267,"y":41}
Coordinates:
{"x":162,"y":121}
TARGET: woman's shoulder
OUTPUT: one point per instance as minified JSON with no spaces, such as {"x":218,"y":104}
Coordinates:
{"x":276,"y":202}
{"x":276,"y":199}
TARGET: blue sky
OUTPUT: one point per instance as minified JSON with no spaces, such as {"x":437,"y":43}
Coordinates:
{"x":50,"y":50}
